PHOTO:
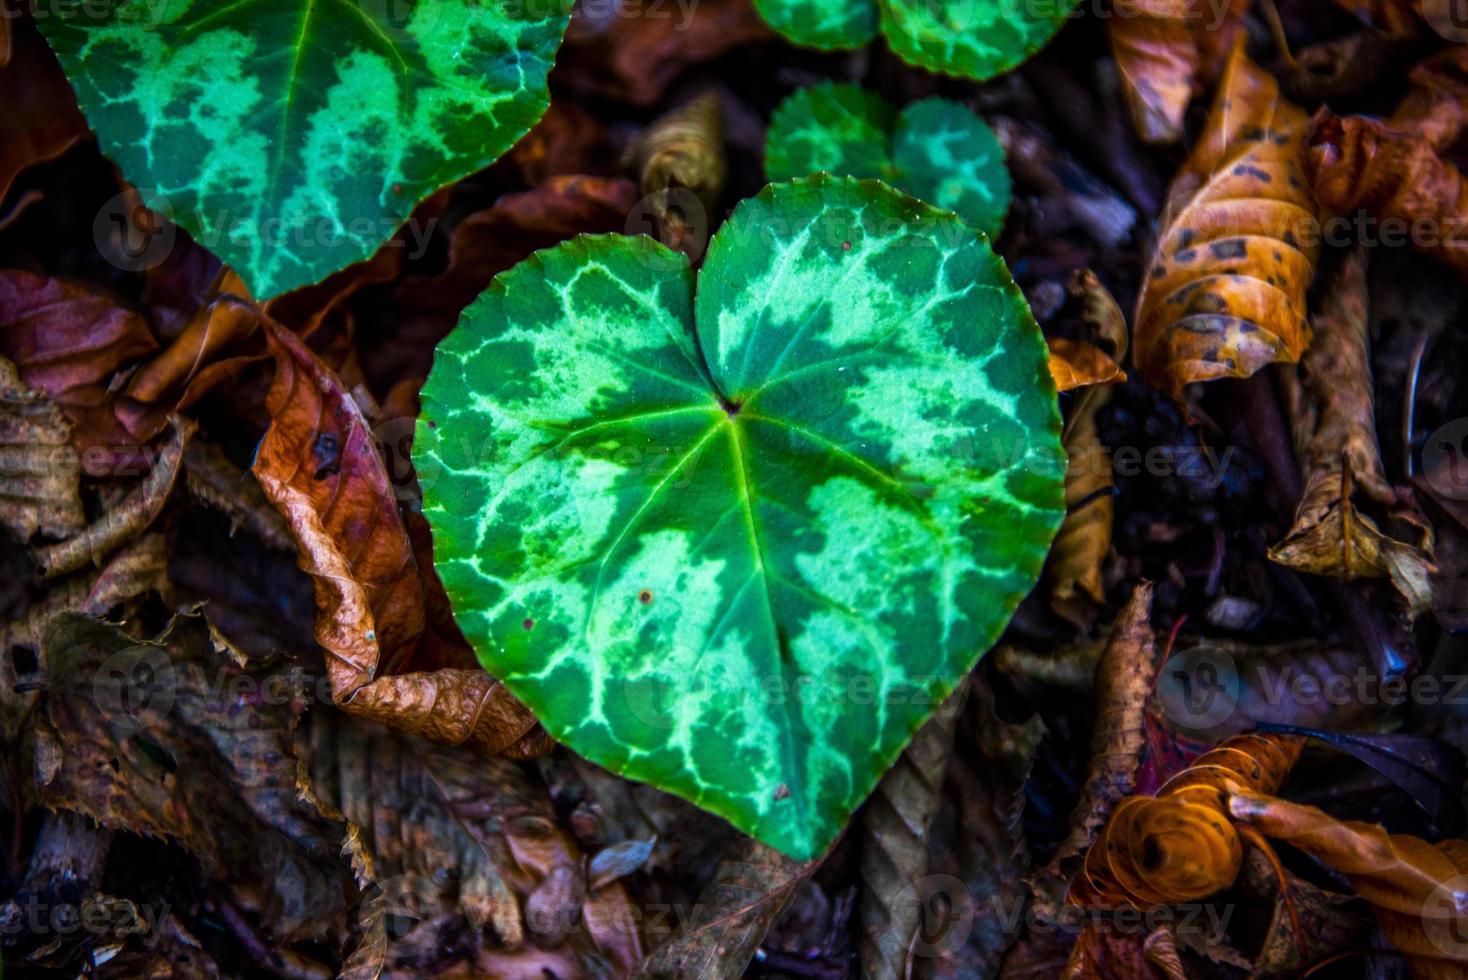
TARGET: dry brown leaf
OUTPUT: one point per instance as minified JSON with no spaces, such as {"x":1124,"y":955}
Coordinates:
{"x":1333,"y":415}
{"x":615,"y":51}
{"x":1419,"y":891}
{"x":567,"y":140}
{"x":214,"y":480}
{"x":1162,"y":48}
{"x":439,"y":834}
{"x":749,"y":890}
{"x":1073,"y":567}
{"x":894,"y":844}
{"x":125,"y":521}
{"x":1225,"y":294}
{"x":1180,"y":845}
{"x":1357,"y":162}
{"x":1436,"y":107}
{"x":1392,"y":18}
{"x":173,"y":739}
{"x":1123,"y":682}
{"x":40,"y":474}
{"x":1107,"y":954}
{"x":320,"y":466}
{"x":681,"y":168}
{"x":1326,"y":922}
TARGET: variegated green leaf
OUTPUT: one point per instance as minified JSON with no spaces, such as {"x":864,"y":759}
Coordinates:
{"x":935,"y":149}
{"x":293,"y":137}
{"x":740,"y":545}
{"x":972,"y":38}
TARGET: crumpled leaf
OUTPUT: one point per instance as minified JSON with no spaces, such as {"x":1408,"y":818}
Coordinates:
{"x":1179,"y":845}
{"x":213,"y":479}
{"x":612,"y":49}
{"x":1333,"y":416}
{"x":1418,"y":890}
{"x":319,"y":465}
{"x":41,"y":120}
{"x":68,"y":343}
{"x":618,"y":861}
{"x":1359,"y":162}
{"x":1436,"y":106}
{"x":40,"y":474}
{"x":1225,"y":294}
{"x":1326,"y":921}
{"x":681,"y":155}
{"x":126,"y":519}
{"x":138,"y":736}
{"x":978,"y":839}
{"x":1078,"y":363}
{"x":421,"y":816}
{"x":751,"y":887}
{"x":1162,"y":50}
{"x":1123,"y":682}
{"x":894,"y":844}
{"x":1073,"y":568}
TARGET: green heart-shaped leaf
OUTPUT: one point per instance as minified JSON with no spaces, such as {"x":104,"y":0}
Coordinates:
{"x":972,"y":38}
{"x":294,"y":137}
{"x":740,"y":546}
{"x":934,"y":149}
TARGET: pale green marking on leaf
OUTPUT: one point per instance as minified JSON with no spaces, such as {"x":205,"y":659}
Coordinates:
{"x":739,"y":543}
{"x":935,"y":149}
{"x":823,"y":24}
{"x":970,"y":38}
{"x":293,"y":137}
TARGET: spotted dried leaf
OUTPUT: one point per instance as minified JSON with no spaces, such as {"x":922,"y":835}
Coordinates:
{"x":1225,"y":294}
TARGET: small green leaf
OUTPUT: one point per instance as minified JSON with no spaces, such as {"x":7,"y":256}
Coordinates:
{"x":740,"y":545}
{"x":934,"y":149}
{"x":293,"y":137}
{"x":827,"y":25}
{"x":971,"y":38}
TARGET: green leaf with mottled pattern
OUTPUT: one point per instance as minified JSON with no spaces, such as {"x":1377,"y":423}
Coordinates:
{"x":740,"y":544}
{"x":972,"y":38}
{"x":293,"y":137}
{"x":935,"y":149}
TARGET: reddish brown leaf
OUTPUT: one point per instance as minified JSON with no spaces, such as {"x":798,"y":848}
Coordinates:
{"x":617,"y":52}
{"x":41,"y":120}
{"x":68,"y":343}
{"x":567,"y":140}
{"x":1392,"y":18}
{"x":1436,"y":107}
{"x":319,"y":465}
{"x":1225,"y":294}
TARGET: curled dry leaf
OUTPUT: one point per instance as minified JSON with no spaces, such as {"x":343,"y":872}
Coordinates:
{"x":128,"y":518}
{"x":1326,"y":922}
{"x":1418,"y":891}
{"x":1180,"y":845}
{"x":750,"y":888}
{"x":1123,"y":682}
{"x":421,"y":816}
{"x":1073,"y":567}
{"x":1334,"y":422}
{"x":684,"y":151}
{"x":1357,"y":162}
{"x":137,"y":736}
{"x":1436,"y":106}
{"x":40,"y":474}
{"x":1162,"y":49}
{"x":320,"y":466}
{"x":894,"y":844}
{"x":1225,"y":294}
{"x":68,"y":343}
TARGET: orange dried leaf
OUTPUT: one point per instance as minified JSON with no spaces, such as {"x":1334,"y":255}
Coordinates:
{"x":1076,"y":363}
{"x":1226,"y":291}
{"x":1419,"y":891}
{"x":1180,"y":845}
{"x":320,"y":466}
